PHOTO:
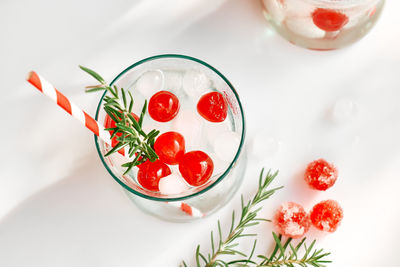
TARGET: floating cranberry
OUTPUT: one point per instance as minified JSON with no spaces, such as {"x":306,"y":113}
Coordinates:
{"x":291,"y":220}
{"x":150,"y":173}
{"x":213,"y":107}
{"x":196,"y":167}
{"x":329,"y":20}
{"x":110,"y":123}
{"x":326,"y":215}
{"x":163,"y":106}
{"x":170,"y":147}
{"x":320,"y":174}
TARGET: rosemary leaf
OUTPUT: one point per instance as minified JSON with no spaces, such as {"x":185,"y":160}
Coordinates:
{"x":93,"y":74}
{"x":123,"y":97}
{"x":95,"y":89}
{"x":143,"y":113}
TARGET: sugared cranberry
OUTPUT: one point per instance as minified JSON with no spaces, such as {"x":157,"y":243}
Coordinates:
{"x":196,"y":167}
{"x":163,"y":106}
{"x":328,"y":19}
{"x":326,"y":215}
{"x":170,"y":147}
{"x":320,"y":174}
{"x":213,"y":107}
{"x":291,"y":220}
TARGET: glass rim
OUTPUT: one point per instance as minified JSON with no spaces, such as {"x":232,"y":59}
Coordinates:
{"x":343,"y":3}
{"x":222,"y":176}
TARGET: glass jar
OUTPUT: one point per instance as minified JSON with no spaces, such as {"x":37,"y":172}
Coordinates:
{"x":322,"y":24}
{"x":196,"y":202}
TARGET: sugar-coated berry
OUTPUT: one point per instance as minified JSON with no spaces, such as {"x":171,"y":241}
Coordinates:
{"x":196,"y":167}
{"x":321,"y":175}
{"x":326,"y":215}
{"x":170,"y":147}
{"x":213,"y":107}
{"x":291,"y":220}
{"x":328,"y":19}
{"x":150,"y":173}
{"x":163,"y":106}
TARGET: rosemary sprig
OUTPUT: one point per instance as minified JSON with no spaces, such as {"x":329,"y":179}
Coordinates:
{"x":118,"y":105}
{"x":284,"y":254}
{"x":289,"y":255}
{"x":247,"y":219}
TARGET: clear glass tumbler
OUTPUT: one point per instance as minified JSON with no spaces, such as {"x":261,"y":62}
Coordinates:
{"x":322,"y":24}
{"x":197,"y":202}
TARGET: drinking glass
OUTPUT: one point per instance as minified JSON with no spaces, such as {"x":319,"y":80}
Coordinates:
{"x":197,"y":202}
{"x":322,"y":24}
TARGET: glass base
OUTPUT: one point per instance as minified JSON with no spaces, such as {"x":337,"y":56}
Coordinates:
{"x":206,"y":203}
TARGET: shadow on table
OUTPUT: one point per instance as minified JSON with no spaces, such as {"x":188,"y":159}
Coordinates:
{"x":85,"y":220}
{"x":236,"y":30}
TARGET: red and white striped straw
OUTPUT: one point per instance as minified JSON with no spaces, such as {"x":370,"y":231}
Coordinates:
{"x":186,"y":208}
{"x":49,"y":90}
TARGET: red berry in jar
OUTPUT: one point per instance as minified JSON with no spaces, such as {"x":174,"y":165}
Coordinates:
{"x":320,"y":175}
{"x":196,"y":167}
{"x":326,"y":215}
{"x":170,"y":147}
{"x":291,"y":220}
{"x":110,"y":123}
{"x":213,"y":107}
{"x":328,"y":19}
{"x":163,"y":106}
{"x":150,"y":173}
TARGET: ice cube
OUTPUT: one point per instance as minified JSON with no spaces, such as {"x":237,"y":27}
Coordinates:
{"x":264,"y":146}
{"x":189,"y":124}
{"x":298,"y":8}
{"x":344,"y":110}
{"x":332,"y":35}
{"x":220,"y":166}
{"x":150,"y":82}
{"x":356,"y":17}
{"x":213,"y":130}
{"x":149,"y":126}
{"x":275,"y":10}
{"x":172,"y":184}
{"x":305,"y":27}
{"x":172,"y":81}
{"x":226,"y":145}
{"x":195,"y":83}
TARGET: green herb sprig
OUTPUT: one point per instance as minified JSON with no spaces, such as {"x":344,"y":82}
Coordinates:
{"x":118,"y":105}
{"x":288,"y":255}
{"x":247,"y":219}
{"x":283,"y":254}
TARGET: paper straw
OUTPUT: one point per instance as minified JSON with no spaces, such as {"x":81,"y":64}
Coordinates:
{"x":47,"y":89}
{"x":62,"y":101}
{"x":186,"y":208}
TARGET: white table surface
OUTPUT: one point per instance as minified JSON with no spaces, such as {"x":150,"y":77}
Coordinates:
{"x":59,"y":206}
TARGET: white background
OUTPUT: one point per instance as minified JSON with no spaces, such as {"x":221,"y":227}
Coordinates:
{"x":59,"y":206}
